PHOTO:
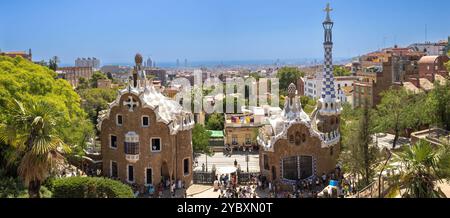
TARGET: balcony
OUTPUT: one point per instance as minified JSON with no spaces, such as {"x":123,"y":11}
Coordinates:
{"x":331,"y":138}
{"x":132,"y":151}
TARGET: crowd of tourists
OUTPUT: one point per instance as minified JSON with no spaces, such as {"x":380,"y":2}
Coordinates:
{"x":229,"y":188}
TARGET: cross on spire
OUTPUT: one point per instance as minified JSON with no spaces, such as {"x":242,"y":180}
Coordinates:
{"x":328,"y":9}
{"x":131,"y":103}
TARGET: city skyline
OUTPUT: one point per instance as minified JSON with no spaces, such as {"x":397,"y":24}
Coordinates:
{"x":213,"y":31}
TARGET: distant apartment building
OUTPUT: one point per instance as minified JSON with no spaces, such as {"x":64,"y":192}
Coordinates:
{"x":150,"y":63}
{"x":24,"y":54}
{"x":391,"y":66}
{"x":429,"y":48}
{"x":73,"y":74}
{"x":313,"y":86}
{"x":429,"y":66}
{"x":158,"y":74}
{"x":120,"y":73}
{"x":241,"y":130}
{"x":88,"y":62}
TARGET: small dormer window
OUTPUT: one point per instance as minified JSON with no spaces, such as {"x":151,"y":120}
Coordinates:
{"x":145,"y":121}
{"x":119,"y":119}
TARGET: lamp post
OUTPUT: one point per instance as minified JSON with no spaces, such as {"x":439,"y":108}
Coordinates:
{"x":246,"y":160}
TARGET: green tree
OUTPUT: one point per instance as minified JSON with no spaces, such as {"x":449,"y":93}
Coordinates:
{"x":83,"y":83}
{"x":341,"y":71}
{"x":419,"y":111}
{"x":200,"y":140}
{"x":215,"y":122}
{"x":28,"y":82}
{"x":448,"y":63}
{"x":286,"y":76}
{"x":392,"y":112}
{"x":439,"y":102}
{"x":32,"y":131}
{"x":422,"y":167}
{"x":53,"y":63}
{"x":96,"y":100}
{"x":97,"y":75}
{"x":359,"y":155}
{"x":308,"y":104}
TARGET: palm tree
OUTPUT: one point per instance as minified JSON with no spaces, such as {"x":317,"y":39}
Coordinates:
{"x":31,"y":131}
{"x":422,"y":167}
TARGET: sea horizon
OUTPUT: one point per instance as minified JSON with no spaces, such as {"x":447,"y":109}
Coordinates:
{"x":230,"y":63}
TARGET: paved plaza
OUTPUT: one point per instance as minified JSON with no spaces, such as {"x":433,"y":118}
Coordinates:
{"x":219,"y":159}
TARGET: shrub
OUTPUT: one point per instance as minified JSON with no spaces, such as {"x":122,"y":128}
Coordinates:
{"x":13,"y":188}
{"x":90,"y":187}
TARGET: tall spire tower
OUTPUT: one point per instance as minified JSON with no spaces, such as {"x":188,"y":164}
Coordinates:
{"x":329,"y":103}
{"x":326,"y":117}
{"x":328,"y":92}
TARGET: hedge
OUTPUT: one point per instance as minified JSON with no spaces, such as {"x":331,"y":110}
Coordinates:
{"x":90,"y":187}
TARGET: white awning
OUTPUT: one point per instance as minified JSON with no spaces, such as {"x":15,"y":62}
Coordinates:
{"x":226,"y":170}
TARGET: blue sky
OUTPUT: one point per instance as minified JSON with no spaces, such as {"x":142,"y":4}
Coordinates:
{"x":201,"y":30}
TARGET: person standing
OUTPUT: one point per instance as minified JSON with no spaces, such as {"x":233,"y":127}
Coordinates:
{"x":324,"y":179}
{"x":172,"y":189}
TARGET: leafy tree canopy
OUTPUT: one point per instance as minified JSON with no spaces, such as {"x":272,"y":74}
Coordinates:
{"x":97,"y":75}
{"x":288,"y":75}
{"x":95,"y":100}
{"x":27,"y":82}
{"x":215,"y":122}
{"x":200,"y":139}
{"x":341,"y":71}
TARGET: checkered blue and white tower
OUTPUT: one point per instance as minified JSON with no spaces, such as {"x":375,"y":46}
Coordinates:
{"x":330,"y":105}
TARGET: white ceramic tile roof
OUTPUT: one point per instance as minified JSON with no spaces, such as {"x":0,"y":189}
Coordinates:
{"x":166,"y":110}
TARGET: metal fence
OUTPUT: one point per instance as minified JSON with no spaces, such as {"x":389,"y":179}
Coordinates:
{"x":246,"y":177}
{"x":201,"y":177}
{"x":372,"y":190}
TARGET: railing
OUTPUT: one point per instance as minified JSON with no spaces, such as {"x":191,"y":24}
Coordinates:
{"x":200,"y":177}
{"x":372,"y":190}
{"x":246,"y":177}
